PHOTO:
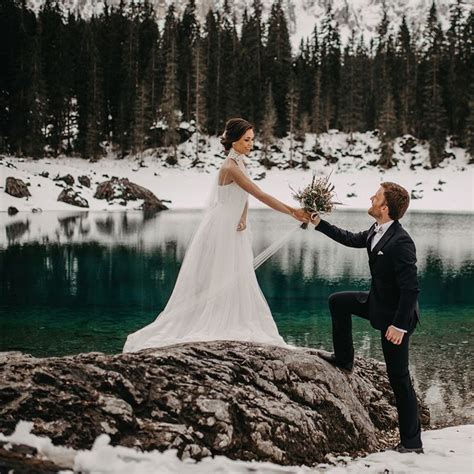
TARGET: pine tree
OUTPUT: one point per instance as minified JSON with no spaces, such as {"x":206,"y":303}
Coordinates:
{"x":351,"y":115}
{"x":19,"y":102}
{"x":406,"y":78}
{"x":188,"y":35}
{"x":433,"y":112}
{"x":199,"y":109}
{"x":278,"y":61}
{"x":268,"y":126}
{"x":141,"y":119}
{"x":470,"y":124}
{"x":330,"y":70}
{"x":94,"y":97}
{"x":212,"y":72}
{"x":302,"y":129}
{"x":170,"y":99}
{"x":456,"y":65}
{"x":36,"y":122}
{"x":382,"y":85}
{"x":56,"y":68}
{"x":128,"y":86}
{"x":229,"y":47}
{"x":467,"y":47}
{"x":292,"y":114}
{"x":387,"y":126}
{"x":315,"y":101}
{"x":252,"y":93}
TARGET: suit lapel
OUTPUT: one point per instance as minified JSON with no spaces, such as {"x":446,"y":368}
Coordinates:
{"x":385,"y":238}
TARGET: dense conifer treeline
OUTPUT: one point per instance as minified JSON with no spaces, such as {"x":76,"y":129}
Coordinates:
{"x":69,"y":85}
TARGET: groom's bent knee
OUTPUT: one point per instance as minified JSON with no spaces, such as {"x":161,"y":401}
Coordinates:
{"x":340,"y":297}
{"x":333,"y":299}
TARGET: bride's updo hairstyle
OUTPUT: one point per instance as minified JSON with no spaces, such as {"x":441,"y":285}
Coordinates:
{"x":235,"y":128}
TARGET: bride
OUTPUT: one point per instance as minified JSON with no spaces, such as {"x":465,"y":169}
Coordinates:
{"x":216,"y":295}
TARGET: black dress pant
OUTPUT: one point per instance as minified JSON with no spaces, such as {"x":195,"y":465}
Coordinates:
{"x":342,"y":306}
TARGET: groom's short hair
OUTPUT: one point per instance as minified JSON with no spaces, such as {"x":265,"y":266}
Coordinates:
{"x":397,"y":199}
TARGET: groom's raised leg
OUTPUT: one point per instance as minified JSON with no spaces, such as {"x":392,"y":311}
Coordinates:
{"x":342,"y":306}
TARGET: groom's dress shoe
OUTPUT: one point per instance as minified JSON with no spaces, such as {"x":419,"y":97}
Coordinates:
{"x":401,"y":449}
{"x":331,"y":358}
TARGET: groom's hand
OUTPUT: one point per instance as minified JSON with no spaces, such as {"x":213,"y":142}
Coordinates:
{"x":315,"y":219}
{"x":394,"y":335}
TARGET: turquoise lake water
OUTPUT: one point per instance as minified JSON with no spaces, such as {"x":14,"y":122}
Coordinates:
{"x":76,"y":282}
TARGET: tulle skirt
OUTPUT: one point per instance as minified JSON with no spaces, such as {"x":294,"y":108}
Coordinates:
{"x":216,"y":295}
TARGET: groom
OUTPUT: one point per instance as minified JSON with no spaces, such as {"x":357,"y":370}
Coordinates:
{"x":391,"y":305}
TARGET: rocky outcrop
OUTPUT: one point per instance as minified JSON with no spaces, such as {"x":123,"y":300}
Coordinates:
{"x":69,"y":196}
{"x":16,"y":188}
{"x":241,"y":400}
{"x":124,"y":190}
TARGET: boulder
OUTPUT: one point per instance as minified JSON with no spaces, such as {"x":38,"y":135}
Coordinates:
{"x":70,"y":196}
{"x":242,"y":400}
{"x":12,"y":210}
{"x":16,"y":188}
{"x":121,"y":189}
{"x":85,"y":181}
{"x":68,"y":179}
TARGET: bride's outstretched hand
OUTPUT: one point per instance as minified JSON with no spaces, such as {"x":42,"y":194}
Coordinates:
{"x":301,"y":215}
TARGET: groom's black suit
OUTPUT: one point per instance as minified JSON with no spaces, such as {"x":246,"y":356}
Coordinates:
{"x":392,"y":300}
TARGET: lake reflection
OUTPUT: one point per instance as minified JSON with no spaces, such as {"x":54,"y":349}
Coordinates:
{"x":75,"y":282}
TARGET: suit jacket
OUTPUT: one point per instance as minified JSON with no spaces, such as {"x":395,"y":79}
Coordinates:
{"x":393,"y":295}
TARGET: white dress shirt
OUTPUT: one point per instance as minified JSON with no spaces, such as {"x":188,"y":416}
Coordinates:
{"x":375,"y":239}
{"x":379,"y":235}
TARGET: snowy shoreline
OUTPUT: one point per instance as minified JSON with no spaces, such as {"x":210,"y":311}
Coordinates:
{"x":448,"y":188}
{"x":446,"y":450}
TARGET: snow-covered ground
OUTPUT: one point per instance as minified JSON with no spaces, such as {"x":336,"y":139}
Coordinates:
{"x":447,"y":188}
{"x":446,"y":450}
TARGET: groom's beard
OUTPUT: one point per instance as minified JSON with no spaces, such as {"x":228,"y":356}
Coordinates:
{"x":375,"y":213}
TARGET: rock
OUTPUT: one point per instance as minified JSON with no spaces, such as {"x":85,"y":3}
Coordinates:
{"x":70,"y":196}
{"x":16,"y":188}
{"x":68,"y":179}
{"x":241,"y":400}
{"x":408,"y":144}
{"x":260,"y":176}
{"x":16,"y":459}
{"x":12,"y":210}
{"x":44,"y":174}
{"x":124,"y":190}
{"x":85,"y":181}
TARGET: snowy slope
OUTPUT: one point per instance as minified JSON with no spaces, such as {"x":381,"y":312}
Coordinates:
{"x":361,"y":15}
{"x":447,"y":188}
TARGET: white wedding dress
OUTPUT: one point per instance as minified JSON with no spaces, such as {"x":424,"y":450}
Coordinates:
{"x":216,"y":295}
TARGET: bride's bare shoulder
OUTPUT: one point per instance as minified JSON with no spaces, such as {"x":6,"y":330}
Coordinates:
{"x":225,"y":171}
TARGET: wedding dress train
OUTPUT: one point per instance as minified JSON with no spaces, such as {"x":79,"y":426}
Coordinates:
{"x":216,"y":295}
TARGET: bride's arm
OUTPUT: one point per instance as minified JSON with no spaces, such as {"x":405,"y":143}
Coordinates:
{"x":245,"y":183}
{"x":243,"y":219}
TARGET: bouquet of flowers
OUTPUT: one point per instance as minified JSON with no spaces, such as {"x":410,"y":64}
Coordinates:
{"x":317,"y":197}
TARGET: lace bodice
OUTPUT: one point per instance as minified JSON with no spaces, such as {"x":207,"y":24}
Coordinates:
{"x":238,"y":158}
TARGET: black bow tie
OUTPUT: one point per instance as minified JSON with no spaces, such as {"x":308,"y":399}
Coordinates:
{"x":378,"y":229}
